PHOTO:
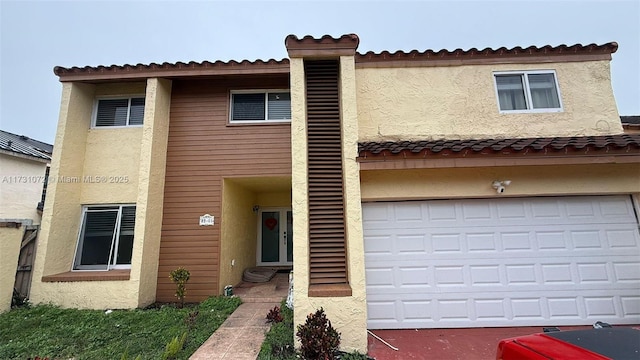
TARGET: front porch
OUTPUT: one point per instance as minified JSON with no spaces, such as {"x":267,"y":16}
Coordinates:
{"x":274,"y":291}
{"x":256,"y":226}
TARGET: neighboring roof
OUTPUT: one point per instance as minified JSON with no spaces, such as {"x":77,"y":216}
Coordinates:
{"x":630,"y":122}
{"x":632,"y":119}
{"x":343,"y":45}
{"x":530,"y":146}
{"x":23,"y":145}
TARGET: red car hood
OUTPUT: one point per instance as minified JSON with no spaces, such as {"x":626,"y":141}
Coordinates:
{"x":592,"y":344}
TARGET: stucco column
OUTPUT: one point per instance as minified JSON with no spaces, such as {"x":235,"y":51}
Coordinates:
{"x":347,"y":313}
{"x":61,"y":214}
{"x":149,"y":204}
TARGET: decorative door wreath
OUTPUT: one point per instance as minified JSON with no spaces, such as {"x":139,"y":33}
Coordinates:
{"x":271,"y":223}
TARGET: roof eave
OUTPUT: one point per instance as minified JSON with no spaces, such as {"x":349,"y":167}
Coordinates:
{"x":451,"y":59}
{"x":140,"y":72}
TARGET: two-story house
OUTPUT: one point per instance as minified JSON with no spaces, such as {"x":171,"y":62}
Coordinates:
{"x":24,"y":164}
{"x":413,"y":189}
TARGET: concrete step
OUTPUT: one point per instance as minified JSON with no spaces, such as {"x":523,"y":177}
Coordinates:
{"x":270,"y":299}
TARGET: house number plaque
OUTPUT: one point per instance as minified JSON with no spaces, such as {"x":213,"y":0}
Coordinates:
{"x":207,"y":220}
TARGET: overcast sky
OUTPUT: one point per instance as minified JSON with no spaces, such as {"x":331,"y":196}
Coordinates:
{"x":36,"y":36}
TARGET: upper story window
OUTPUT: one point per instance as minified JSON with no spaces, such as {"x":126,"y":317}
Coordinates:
{"x":119,"y":112}
{"x":260,"y":106}
{"x":528,"y":91}
{"x":106,"y":237}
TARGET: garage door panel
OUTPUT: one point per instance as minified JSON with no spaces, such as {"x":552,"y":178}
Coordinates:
{"x":462,"y":213}
{"x":572,"y":240}
{"x":533,"y":261}
{"x":501,"y":309}
{"x":583,"y":276}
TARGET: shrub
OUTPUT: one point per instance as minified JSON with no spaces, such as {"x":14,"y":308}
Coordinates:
{"x":191,"y":319}
{"x":174,"y":346}
{"x":318,"y":339}
{"x":274,"y":316}
{"x":180,"y":276}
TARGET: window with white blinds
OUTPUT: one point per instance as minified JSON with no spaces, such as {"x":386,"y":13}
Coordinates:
{"x":106,"y":237}
{"x":119,"y":112}
{"x":527,"y":91}
{"x":260,"y":106}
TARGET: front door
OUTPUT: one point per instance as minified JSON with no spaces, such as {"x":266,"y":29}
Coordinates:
{"x":275,"y":237}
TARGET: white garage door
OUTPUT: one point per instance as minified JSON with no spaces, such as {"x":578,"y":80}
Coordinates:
{"x":502,"y":262}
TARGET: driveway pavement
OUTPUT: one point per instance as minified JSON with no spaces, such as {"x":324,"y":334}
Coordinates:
{"x":446,"y":344}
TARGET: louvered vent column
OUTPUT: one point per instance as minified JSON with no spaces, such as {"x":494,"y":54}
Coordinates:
{"x":328,"y":257}
{"x":327,"y":253}
{"x":325,"y":177}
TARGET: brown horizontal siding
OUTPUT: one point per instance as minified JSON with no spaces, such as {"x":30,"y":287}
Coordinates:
{"x":202,"y":150}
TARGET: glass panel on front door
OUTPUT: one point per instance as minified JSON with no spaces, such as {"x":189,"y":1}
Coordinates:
{"x":289,"y":236}
{"x":276,"y":237}
{"x":270,"y":236}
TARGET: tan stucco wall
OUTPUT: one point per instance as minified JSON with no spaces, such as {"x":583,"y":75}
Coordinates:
{"x":133,"y":162}
{"x":347,"y":314}
{"x":112,"y":155}
{"x":274,"y":199}
{"x":21,"y":182}
{"x":150,"y":192}
{"x":299,"y":194}
{"x":59,"y":231}
{"x":451,"y":183}
{"x":238,"y":227}
{"x":459,"y":102}
{"x":10,"y":239}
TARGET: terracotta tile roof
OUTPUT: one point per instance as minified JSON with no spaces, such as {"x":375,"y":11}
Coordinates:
{"x":325,"y":45}
{"x":324,"y":39}
{"x":23,"y":145}
{"x":168,"y":69}
{"x":490,"y":54}
{"x":494,"y":146}
{"x":310,"y":46}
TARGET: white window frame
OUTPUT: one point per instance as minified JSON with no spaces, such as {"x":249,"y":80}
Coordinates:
{"x":266,"y":93}
{"x":115,"y":237}
{"x":94,"y":114}
{"x":527,"y":91}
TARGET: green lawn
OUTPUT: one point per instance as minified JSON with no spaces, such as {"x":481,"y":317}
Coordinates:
{"x":48,"y":331}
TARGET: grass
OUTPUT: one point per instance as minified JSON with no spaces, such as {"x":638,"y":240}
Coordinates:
{"x":49,"y":331}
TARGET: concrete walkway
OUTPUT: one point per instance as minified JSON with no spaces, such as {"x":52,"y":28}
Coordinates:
{"x":242,"y":334}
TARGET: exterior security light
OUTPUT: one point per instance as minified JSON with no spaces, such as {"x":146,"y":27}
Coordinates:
{"x":500,"y":185}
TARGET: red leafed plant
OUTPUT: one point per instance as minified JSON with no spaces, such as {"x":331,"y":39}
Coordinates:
{"x":274,"y":316}
{"x":318,"y":339}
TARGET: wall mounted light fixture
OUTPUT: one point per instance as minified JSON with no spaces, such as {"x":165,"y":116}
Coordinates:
{"x":255,"y":208}
{"x":500,"y":185}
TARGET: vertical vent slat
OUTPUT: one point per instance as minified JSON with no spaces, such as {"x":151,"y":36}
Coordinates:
{"x":326,"y":199}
